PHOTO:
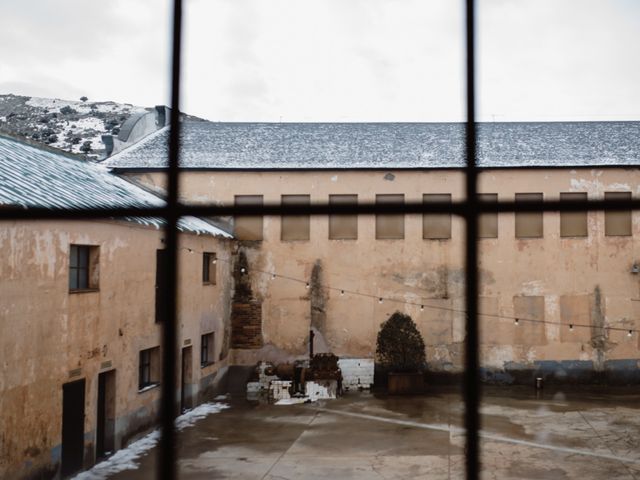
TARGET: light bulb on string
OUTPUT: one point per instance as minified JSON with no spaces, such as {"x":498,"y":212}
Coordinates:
{"x":517,"y":322}
{"x":571,"y":327}
{"x":243,"y":270}
{"x":630,"y":333}
{"x":422,"y":308}
{"x":307,"y":285}
{"x":273,"y":276}
{"x":342,"y":293}
{"x":380,"y":300}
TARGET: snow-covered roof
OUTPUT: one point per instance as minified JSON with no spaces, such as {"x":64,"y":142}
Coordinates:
{"x":34,"y":177}
{"x":211,"y":145}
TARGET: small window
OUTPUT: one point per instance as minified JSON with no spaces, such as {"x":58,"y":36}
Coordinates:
{"x":573,"y":224}
{"x":529,"y":224}
{"x":206,"y":349}
{"x":618,"y":222}
{"x":149,"y":368}
{"x":488,"y":222}
{"x":248,"y":227}
{"x":390,"y":226}
{"x":343,"y":227}
{"x":83,"y":268}
{"x":295,"y":227}
{"x":436,"y":226}
{"x":209,"y":261}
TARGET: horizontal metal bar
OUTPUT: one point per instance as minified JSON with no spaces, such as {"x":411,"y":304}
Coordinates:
{"x":367,"y":208}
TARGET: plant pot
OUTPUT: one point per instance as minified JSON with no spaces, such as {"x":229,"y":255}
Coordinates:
{"x":405,"y":383}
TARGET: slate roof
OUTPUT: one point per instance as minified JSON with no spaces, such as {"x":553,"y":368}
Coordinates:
{"x":34,"y":177}
{"x":211,"y":145}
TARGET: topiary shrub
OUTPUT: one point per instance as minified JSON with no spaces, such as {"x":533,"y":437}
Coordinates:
{"x":400,"y":347}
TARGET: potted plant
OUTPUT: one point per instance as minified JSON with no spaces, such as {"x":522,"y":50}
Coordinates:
{"x":400,"y":351}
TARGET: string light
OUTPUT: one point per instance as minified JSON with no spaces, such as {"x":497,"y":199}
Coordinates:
{"x":274,"y":276}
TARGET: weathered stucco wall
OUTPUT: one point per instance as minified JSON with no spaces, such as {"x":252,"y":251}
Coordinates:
{"x":49,"y":336}
{"x":587,"y":276}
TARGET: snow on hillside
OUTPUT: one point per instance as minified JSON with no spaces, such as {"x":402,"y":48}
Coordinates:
{"x":72,"y":126}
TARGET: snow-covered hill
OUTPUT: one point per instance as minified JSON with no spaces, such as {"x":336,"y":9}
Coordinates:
{"x":72,"y":126}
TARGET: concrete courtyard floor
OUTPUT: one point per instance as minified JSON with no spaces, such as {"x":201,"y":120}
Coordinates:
{"x":581,"y":434}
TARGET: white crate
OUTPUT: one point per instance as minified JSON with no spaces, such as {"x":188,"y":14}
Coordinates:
{"x":356,"y":373}
{"x":321,"y":389}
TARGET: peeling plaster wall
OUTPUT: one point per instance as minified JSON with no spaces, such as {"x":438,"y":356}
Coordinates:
{"x":47,"y":332}
{"x":431,"y":271}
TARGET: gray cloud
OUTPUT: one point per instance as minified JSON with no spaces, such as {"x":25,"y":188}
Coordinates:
{"x":328,"y":60}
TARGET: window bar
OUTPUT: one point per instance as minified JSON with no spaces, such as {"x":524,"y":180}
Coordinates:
{"x":324,"y":208}
{"x":469,"y":209}
{"x":167,"y":453}
{"x":471,"y":385}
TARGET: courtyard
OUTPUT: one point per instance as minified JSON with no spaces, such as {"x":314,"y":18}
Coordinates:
{"x":553,"y":434}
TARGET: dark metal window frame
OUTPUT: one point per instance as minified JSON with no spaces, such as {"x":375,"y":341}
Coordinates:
{"x":144,"y":369}
{"x":206,"y":349}
{"x":79,"y":267}
{"x":209,"y":270}
{"x":469,"y":209}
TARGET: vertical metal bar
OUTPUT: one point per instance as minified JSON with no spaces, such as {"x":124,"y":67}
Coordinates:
{"x":471,"y":373}
{"x":167,"y":458}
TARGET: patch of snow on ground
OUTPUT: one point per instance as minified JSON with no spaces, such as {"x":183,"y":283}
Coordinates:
{"x":122,"y":460}
{"x":292,"y":401}
{"x":126,"y":458}
{"x":201,"y":411}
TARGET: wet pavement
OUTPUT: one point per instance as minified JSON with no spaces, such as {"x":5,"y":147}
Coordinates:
{"x":581,"y":434}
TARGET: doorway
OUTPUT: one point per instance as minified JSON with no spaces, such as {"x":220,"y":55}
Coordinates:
{"x":72,"y":427}
{"x":106,"y":421}
{"x":185,"y":388}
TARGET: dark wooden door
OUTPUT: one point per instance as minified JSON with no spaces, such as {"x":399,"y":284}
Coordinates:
{"x":185,"y":387}
{"x":105,"y":424}
{"x":72,"y":427}
{"x":161,"y":284}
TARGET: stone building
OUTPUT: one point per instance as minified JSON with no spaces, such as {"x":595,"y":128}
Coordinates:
{"x":559,"y":292}
{"x":79,"y":317}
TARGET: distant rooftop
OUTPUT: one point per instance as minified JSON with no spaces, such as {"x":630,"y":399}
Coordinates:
{"x":36,"y":177}
{"x":208,"y":145}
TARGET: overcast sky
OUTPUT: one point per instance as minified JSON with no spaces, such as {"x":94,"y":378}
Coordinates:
{"x":332,"y":60}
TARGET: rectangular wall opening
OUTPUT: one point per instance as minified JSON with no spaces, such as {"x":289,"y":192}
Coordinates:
{"x":343,"y":227}
{"x":295,"y":227}
{"x":390,"y":226}
{"x":436,"y":226}
{"x":617,"y":222}
{"x":248,"y":227}
{"x":529,"y":224}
